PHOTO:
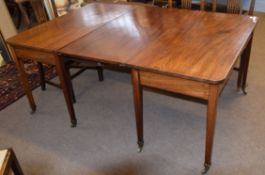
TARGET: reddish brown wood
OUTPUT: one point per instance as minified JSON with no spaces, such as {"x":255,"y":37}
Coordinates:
{"x":183,"y":49}
{"x":23,"y":79}
{"x":211,"y":120}
{"x":192,"y":48}
{"x":252,"y":7}
{"x":138,"y":106}
{"x":42,"y":76}
{"x":245,"y":60}
{"x":204,"y":49}
{"x":175,"y":84}
{"x":170,"y":3}
{"x":243,"y":69}
{"x":66,"y":85}
{"x":35,"y":54}
{"x":125,"y":41}
{"x":57,"y":33}
{"x":42,"y":42}
{"x":194,"y":45}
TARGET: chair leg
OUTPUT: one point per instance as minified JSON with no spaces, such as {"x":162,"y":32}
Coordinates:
{"x":15,"y":164}
{"x":42,"y":76}
{"x":43,"y":81}
{"x":100,"y":73}
{"x":70,"y":84}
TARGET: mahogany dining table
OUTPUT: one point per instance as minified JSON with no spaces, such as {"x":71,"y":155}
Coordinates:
{"x":192,"y":53}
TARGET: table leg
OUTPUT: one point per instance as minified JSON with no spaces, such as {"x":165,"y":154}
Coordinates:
{"x":138,"y":105}
{"x":70,"y":84}
{"x":65,"y":84}
{"x":243,"y":70}
{"x":240,"y":74}
{"x":42,"y":76}
{"x":246,"y":58}
{"x":210,"y":127}
{"x":24,"y":80}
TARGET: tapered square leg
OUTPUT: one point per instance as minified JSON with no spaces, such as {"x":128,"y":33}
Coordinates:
{"x":138,"y":106}
{"x":210,"y":125}
{"x":67,"y":89}
{"x":24,"y":80}
{"x":244,"y":64}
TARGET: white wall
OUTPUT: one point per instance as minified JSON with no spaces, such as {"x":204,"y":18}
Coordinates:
{"x":260,"y":5}
{"x":6,"y":24}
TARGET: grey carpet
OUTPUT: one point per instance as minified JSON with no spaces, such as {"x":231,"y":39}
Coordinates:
{"x":104,"y":142}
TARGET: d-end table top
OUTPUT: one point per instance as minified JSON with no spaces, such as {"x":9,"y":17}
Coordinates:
{"x":197,"y":45}
{"x":55,"y":34}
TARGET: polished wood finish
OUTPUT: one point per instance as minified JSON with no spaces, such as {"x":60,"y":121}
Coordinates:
{"x":252,"y":7}
{"x":242,"y":78}
{"x":138,"y":107}
{"x":65,"y":79}
{"x":187,"y":52}
{"x":182,"y":50}
{"x":210,"y":124}
{"x":23,"y":79}
{"x":175,"y":84}
{"x":37,"y":55}
{"x":42,"y":43}
{"x":55,"y":34}
{"x":10,"y":163}
{"x":157,"y":37}
{"x":202,"y":46}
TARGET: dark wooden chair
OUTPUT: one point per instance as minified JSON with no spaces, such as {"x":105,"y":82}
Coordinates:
{"x":9,"y":163}
{"x":232,"y":6}
{"x":15,"y":10}
{"x":41,"y":17}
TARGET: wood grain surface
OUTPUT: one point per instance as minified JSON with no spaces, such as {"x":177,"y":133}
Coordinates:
{"x":61,"y":31}
{"x":195,"y":45}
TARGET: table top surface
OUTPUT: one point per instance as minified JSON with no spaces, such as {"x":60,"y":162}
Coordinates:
{"x":57,"y":33}
{"x":197,"y":45}
{"x":190,"y":44}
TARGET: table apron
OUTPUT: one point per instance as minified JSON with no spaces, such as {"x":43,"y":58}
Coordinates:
{"x":36,"y":55}
{"x":175,"y":84}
